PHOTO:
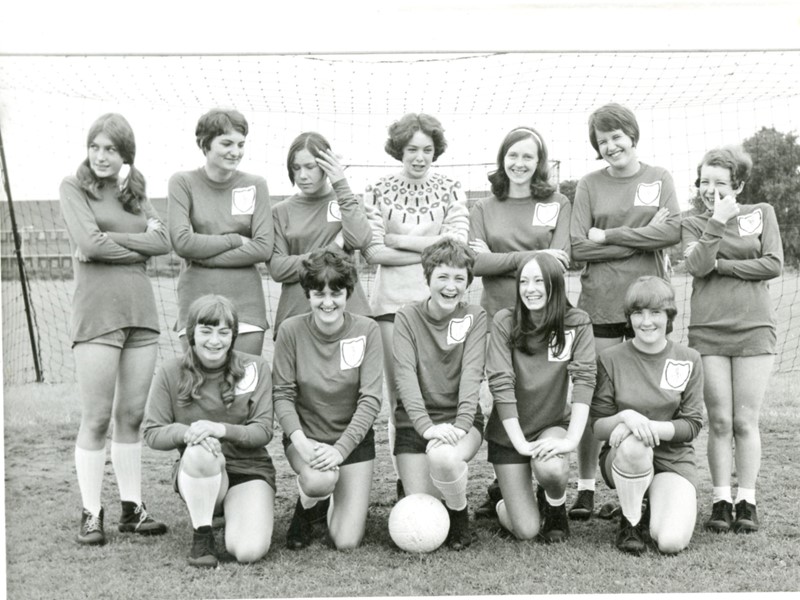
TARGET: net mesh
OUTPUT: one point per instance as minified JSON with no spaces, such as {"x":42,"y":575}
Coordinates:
{"x":685,"y":102}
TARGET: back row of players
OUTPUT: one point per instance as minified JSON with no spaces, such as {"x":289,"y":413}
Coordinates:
{"x":642,"y":395}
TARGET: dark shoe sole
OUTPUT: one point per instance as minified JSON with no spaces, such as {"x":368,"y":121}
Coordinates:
{"x":745,"y":527}
{"x":634,"y":550}
{"x":717,"y":526}
{"x":91,"y":541}
{"x":554,"y":537}
{"x":579,"y":514}
{"x":158,"y":530}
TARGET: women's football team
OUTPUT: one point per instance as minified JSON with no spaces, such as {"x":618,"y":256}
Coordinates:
{"x":601,"y":378}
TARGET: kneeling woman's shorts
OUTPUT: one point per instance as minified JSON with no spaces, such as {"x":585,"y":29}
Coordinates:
{"x":235,"y":479}
{"x":499,"y":454}
{"x":362,"y":453}
{"x":408,"y":441}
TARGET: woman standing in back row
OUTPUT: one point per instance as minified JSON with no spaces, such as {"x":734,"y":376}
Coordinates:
{"x":113,"y":230}
{"x":623,"y":217}
{"x":220,"y":223}
{"x":408,"y":211}
{"x":732,"y":250}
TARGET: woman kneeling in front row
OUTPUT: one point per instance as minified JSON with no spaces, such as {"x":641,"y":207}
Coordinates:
{"x":648,"y":408}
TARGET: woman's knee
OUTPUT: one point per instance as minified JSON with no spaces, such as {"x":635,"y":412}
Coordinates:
{"x":347,"y":539}
{"x":317,"y":484}
{"x":445,"y":459}
{"x":553,"y":471}
{"x":744,"y":426}
{"x":199,"y":462}
{"x":249,"y":550}
{"x":671,"y":540}
{"x":720,"y":424}
{"x":633,"y":455}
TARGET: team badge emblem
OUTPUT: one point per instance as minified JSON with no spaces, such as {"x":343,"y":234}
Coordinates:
{"x":569,"y":339}
{"x":676,"y":375}
{"x":457,"y":330}
{"x":248,"y":381}
{"x":648,"y":194}
{"x":351,"y":352}
{"x":751,"y":224}
{"x":334,"y":212}
{"x":243,"y":200}
{"x":546,"y":214}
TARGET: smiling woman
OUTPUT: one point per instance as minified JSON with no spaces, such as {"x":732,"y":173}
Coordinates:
{"x":220,"y":223}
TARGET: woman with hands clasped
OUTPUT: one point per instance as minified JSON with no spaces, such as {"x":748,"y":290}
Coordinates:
{"x":220,"y":223}
{"x":439,"y":351}
{"x":534,"y":351}
{"x":648,"y":409}
{"x":323,"y":213}
{"x":214,"y":405}
{"x":113,"y":230}
{"x":328,"y":379}
{"x":732,"y":250}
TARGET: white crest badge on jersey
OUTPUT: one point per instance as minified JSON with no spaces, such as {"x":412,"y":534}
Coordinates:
{"x":648,"y":194}
{"x":243,"y":200}
{"x":545,"y":214}
{"x":569,"y":339}
{"x":249,"y":380}
{"x":751,"y":224}
{"x":351,"y":352}
{"x":458,"y":329}
{"x":334,"y":212}
{"x":676,"y":375}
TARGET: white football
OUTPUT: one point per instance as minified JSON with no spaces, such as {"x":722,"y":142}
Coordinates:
{"x":419,"y":523}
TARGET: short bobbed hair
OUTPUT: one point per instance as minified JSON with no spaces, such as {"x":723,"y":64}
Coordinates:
{"x":551,"y":328}
{"x":310,"y":140}
{"x":450,"y":252}
{"x":611,"y":117}
{"x":540,"y":182}
{"x":650,"y":292}
{"x":331,"y":267}
{"x":734,"y":158}
{"x":402,"y":130}
{"x":216,"y":122}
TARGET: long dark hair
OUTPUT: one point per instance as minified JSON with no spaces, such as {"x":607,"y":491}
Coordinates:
{"x":310,"y":140}
{"x":541,"y":187}
{"x":131,"y":192}
{"x":210,"y":310}
{"x":524,"y":331}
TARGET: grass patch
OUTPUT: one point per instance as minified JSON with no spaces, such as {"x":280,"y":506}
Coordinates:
{"x":43,"y":507}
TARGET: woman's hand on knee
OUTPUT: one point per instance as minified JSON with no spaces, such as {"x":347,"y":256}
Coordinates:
{"x":547,"y":448}
{"x":618,"y":434}
{"x":327,"y":458}
{"x":445,"y":433}
{"x":200,"y":430}
{"x":641,"y":428}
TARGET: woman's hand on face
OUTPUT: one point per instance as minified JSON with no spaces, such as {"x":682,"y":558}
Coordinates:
{"x":725,"y":208}
{"x":329,"y":163}
{"x":597,"y":236}
{"x":479,"y":246}
{"x":547,"y":448}
{"x":326,"y":457}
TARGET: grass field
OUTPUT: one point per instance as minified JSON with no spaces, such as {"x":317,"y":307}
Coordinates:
{"x":43,"y":506}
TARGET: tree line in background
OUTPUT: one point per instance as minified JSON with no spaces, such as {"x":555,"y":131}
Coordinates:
{"x":775,"y":179}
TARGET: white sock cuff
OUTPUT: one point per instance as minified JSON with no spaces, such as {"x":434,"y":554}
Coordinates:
{"x":306,"y":500}
{"x":454,"y":492}
{"x":557,"y":501}
{"x":721,"y":493}
{"x":746,"y":494}
{"x":586,"y":484}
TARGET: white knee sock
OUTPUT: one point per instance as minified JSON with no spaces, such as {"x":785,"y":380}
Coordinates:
{"x":630,"y":490}
{"x":89,"y":465}
{"x":745,"y":494}
{"x":720,"y":493}
{"x":127,"y":461}
{"x":586,"y":484}
{"x":308,"y":501}
{"x":391,"y":432}
{"x":200,"y":495}
{"x":557,"y":501}
{"x":454,"y":492}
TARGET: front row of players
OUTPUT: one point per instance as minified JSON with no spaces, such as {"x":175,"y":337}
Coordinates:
{"x":215,"y":405}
